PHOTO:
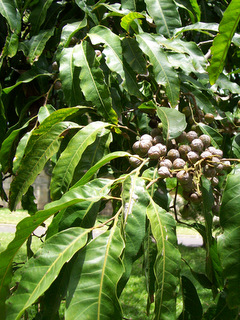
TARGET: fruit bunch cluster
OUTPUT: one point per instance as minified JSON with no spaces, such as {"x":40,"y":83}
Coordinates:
{"x":186,"y":158}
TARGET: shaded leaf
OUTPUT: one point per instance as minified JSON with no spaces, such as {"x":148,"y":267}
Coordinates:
{"x":43,"y":268}
{"x":165,"y":16}
{"x":63,"y":171}
{"x":222,"y":41}
{"x":216,"y":137}
{"x":38,"y":15}
{"x":229,"y":241}
{"x":192,"y":308}
{"x":92,"y":81}
{"x":164,"y":73}
{"x":134,"y":55}
{"x":34,"y":47}
{"x":174,"y":122}
{"x":167,"y":261}
{"x":92,"y":287}
{"x":236,"y":146}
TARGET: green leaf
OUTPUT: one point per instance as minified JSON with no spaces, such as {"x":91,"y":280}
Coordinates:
{"x":93,"y":192}
{"x":34,"y":47}
{"x":134,"y":55}
{"x":174,"y":122}
{"x":38,"y":15}
{"x":135,"y":202}
{"x":167,"y":261}
{"x":199,"y":27}
{"x":9,"y":11}
{"x":44,"y":112}
{"x":127,"y":20}
{"x":114,"y":57}
{"x":224,"y":83}
{"x":92,"y":287}
{"x":69,"y":75}
{"x":192,"y":308}
{"x":89,"y":174}
{"x":216,"y":137}
{"x":222,"y":41}
{"x":33,"y":162}
{"x":66,"y":164}
{"x":165,"y":16}
{"x":236,"y":146}
{"x":20,"y":151}
{"x":28,"y":76}
{"x":42,"y":269}
{"x":229,"y":241}
{"x":92,"y":81}
{"x":164,"y":73}
{"x":69,"y":30}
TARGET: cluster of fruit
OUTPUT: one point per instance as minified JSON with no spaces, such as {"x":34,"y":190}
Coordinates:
{"x":186,"y":158}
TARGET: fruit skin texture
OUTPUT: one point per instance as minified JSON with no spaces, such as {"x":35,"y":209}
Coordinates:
{"x":134,"y":162}
{"x":191,"y":135}
{"x":178,"y":163}
{"x":196,"y":145}
{"x":166,"y":163}
{"x":209,"y":117}
{"x":193,"y":157}
{"x":144,"y":146}
{"x":154,"y":153}
{"x":173,"y":154}
{"x":164,"y":172}
{"x":183,"y":177}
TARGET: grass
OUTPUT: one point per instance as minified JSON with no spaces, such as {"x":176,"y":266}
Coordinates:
{"x":134,"y":296}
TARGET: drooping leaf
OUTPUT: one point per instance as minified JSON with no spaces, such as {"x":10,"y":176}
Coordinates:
{"x":167,"y":261}
{"x":34,"y":47}
{"x":43,"y":268}
{"x":92,"y":81}
{"x":45,"y":112}
{"x":66,"y":164}
{"x":205,"y":27}
{"x":33,"y":163}
{"x":69,"y":75}
{"x":216,"y":137}
{"x":38,"y":15}
{"x":164,"y":73}
{"x":114,"y":57}
{"x":93,"y":192}
{"x":9,"y":11}
{"x":134,"y":55}
{"x":236,"y":146}
{"x":192,"y":308}
{"x":92,"y":287}
{"x":89,"y":174}
{"x":229,"y":241}
{"x":135,"y":202}
{"x":174,"y":122}
{"x":69,"y":31}
{"x":28,"y":76}
{"x":222,"y":41}
{"x":165,"y":16}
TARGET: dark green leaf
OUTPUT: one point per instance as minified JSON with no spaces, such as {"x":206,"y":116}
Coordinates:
{"x":38,"y":14}
{"x":236,"y":146}
{"x":9,"y":10}
{"x":69,"y":31}
{"x":216,"y":137}
{"x":229,"y":241}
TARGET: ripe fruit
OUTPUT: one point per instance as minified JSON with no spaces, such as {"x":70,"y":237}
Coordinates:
{"x":154,"y":153}
{"x":164,"y":172}
{"x":183,"y":177}
{"x":197,"y":145}
{"x":134,"y":162}
{"x":193,"y":157}
{"x":191,"y":135}
{"x":178,"y":163}
{"x":206,"y":140}
{"x":209,"y":117}
{"x":166,"y":163}
{"x":173,"y":154}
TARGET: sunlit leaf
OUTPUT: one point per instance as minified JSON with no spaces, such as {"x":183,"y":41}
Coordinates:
{"x":9,"y":10}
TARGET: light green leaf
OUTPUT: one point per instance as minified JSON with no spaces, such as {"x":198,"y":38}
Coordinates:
{"x":167,"y":261}
{"x":224,"y":83}
{"x":192,"y":7}
{"x":127,"y":20}
{"x":92,"y":192}
{"x":92,"y":287}
{"x":69,"y":75}
{"x":92,"y":81}
{"x":129,"y":5}
{"x":216,"y":137}
{"x":42,"y":269}
{"x":165,"y":15}
{"x":222,"y":41}
{"x":28,"y":76}
{"x":34,"y":47}
{"x":229,"y":241}
{"x":63,"y":171}
{"x":174,"y":122}
{"x":33,"y":162}
{"x":134,"y":202}
{"x":163,"y":71}
{"x":45,"y":112}
{"x":20,"y":151}
{"x":88,"y":175}
{"x":38,"y":15}
{"x":9,"y":11}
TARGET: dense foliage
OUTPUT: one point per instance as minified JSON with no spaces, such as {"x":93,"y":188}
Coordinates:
{"x":87,"y":90}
